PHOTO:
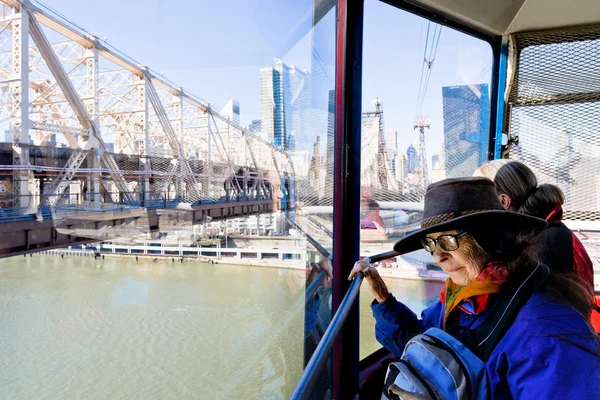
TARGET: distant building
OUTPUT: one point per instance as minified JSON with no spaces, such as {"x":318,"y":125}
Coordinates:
{"x":413,"y":159}
{"x":466,"y":128}
{"x":285,"y":99}
{"x":110,"y":147}
{"x":271,"y":105}
{"x":329,"y":156}
{"x":232,"y":111}
{"x":391,"y":141}
{"x":255,"y":126}
{"x":52,"y":140}
{"x":391,"y":144}
{"x":438,"y":172}
{"x":262,"y":224}
{"x":401,"y":167}
{"x":9,"y":135}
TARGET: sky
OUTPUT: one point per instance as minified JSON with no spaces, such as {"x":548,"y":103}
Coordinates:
{"x":215,"y":49}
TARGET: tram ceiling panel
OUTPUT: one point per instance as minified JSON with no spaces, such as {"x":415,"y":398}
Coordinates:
{"x":500,"y":17}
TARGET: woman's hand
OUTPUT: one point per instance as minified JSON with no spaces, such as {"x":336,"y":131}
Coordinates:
{"x":376,"y":283}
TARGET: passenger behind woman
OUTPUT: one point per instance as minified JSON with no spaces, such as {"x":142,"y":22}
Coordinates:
{"x":371,"y":225}
{"x":518,"y":189}
{"x":548,"y":351}
{"x":372,"y":219}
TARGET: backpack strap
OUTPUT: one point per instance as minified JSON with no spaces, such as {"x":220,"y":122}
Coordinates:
{"x":513,"y":296}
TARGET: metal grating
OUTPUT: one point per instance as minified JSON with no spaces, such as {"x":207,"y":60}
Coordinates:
{"x":557,"y":67}
{"x":555,"y":112}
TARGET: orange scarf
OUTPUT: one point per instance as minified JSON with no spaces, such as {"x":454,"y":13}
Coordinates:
{"x":489,"y":281}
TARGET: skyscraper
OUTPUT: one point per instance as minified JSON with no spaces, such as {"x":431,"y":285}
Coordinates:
{"x":401,"y":167}
{"x":232,"y":110}
{"x":271,"y":105}
{"x":9,"y":135}
{"x":255,"y":126}
{"x":391,"y":144}
{"x":329,"y":156}
{"x":466,"y":128}
{"x":285,"y":101}
{"x":437,"y":168}
{"x":413,"y":159}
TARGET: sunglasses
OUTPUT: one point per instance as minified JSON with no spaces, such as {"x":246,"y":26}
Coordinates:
{"x":444,"y":242}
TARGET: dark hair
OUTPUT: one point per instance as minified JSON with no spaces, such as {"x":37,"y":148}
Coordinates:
{"x":518,"y":182}
{"x":542,"y":201}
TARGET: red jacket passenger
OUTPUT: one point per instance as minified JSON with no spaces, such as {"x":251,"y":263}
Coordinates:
{"x":561,"y":250}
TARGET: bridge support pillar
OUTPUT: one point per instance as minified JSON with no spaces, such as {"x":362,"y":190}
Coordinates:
{"x":178,"y":127}
{"x":92,"y":104}
{"x":207,"y":164}
{"x":144,"y":141}
{"x":20,"y":90}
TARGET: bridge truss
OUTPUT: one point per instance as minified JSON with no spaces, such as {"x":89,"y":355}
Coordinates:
{"x":109,"y":130}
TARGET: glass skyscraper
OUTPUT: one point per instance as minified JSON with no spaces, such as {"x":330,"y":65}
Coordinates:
{"x":285,"y":103}
{"x":466,"y":128}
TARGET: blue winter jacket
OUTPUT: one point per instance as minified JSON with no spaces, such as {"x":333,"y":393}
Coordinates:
{"x":540,"y":357}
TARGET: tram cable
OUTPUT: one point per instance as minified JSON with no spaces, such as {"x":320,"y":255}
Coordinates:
{"x":429,"y":53}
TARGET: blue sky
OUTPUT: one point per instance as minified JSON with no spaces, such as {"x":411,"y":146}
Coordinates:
{"x":215,"y":49}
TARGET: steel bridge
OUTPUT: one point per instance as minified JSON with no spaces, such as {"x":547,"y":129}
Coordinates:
{"x":63,"y":92}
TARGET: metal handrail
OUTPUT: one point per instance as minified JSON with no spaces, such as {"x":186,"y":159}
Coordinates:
{"x":313,"y":369}
{"x":316,"y":283}
{"x":324,"y":252}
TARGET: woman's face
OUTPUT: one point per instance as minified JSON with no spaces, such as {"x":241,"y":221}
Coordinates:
{"x":461,"y":268}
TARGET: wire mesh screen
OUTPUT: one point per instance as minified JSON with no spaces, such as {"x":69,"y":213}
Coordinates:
{"x":556,"y":114}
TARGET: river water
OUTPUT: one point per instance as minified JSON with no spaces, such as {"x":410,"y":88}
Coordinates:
{"x":80,"y":328}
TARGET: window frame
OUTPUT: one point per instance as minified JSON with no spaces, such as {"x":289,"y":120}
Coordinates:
{"x":348,"y":99}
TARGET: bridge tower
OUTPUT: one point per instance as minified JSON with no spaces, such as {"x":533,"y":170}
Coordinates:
{"x":382,"y":169}
{"x":421,"y":124}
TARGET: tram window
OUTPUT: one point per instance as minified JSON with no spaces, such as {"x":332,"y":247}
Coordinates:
{"x":229,"y":132}
{"x":426,"y":117}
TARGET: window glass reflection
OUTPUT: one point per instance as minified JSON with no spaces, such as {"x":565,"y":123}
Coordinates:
{"x":187,"y":207}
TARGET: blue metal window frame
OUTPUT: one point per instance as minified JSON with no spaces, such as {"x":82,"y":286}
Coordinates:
{"x":500,"y":105}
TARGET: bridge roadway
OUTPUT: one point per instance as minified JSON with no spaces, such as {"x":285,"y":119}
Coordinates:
{"x":87,"y":223}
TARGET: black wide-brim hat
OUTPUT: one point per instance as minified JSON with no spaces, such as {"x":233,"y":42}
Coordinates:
{"x":466,"y":204}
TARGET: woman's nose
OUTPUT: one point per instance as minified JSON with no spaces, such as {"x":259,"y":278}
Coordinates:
{"x":279,"y":194}
{"x":440,"y":254}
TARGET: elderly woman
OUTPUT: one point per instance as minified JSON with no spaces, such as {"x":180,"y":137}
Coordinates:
{"x":548,"y":351}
